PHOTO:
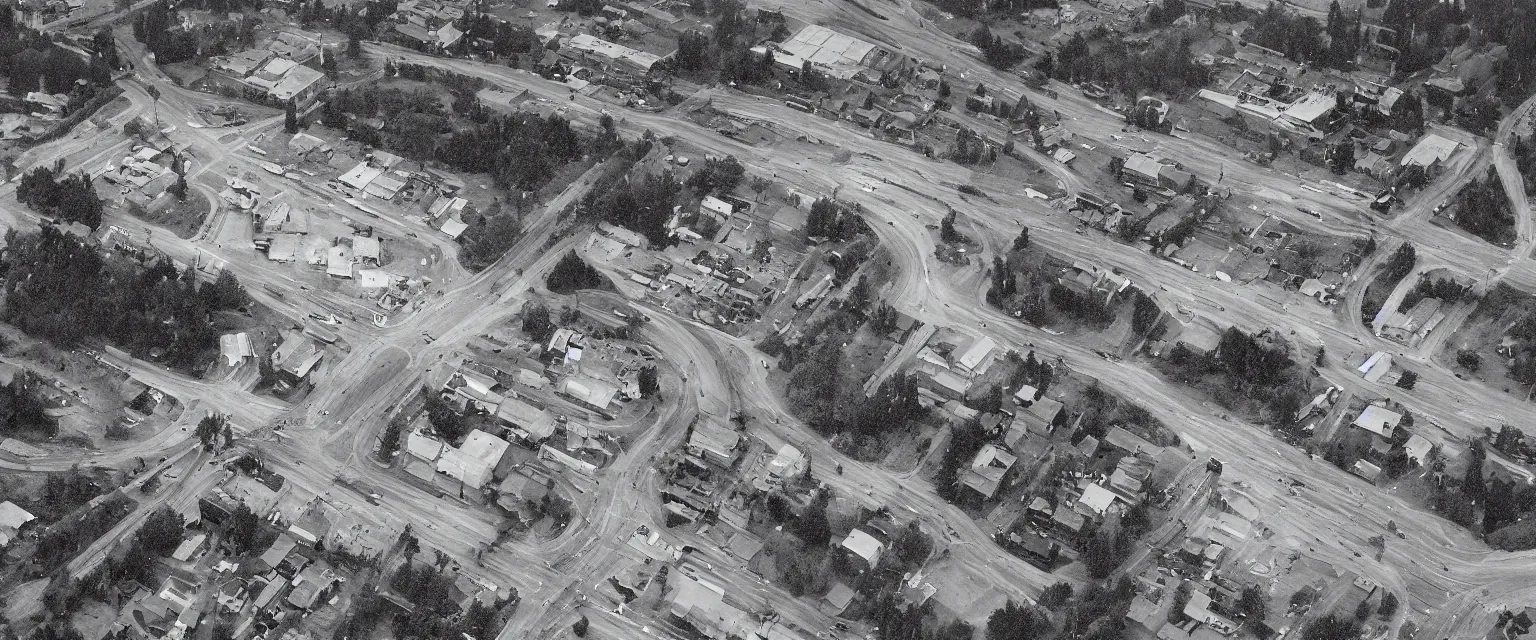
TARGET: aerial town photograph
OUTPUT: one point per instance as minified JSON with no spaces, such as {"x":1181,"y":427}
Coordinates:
{"x":767,"y":319}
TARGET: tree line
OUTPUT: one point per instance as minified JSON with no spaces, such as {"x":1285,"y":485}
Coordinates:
{"x":67,"y":197}
{"x":1167,"y":67}
{"x":64,"y":290}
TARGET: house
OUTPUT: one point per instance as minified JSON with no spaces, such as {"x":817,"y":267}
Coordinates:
{"x":338,"y":261}
{"x":864,"y":545}
{"x":1039,"y":416}
{"x":788,"y":463}
{"x":1430,"y":152}
{"x":1174,"y":178}
{"x":976,"y":357}
{"x":701,"y":605}
{"x":518,"y":488}
{"x":12,"y":520}
{"x":1366,"y":470}
{"x":1068,"y":522}
{"x":486,"y":447}
{"x":235,"y":348}
{"x":301,"y":85}
{"x":1128,"y":443}
{"x":944,"y":383}
{"x":1311,"y":113}
{"x":359,"y":176}
{"x":367,"y":250}
{"x":838,"y":598}
{"x":312,"y":584}
{"x":714,"y":442}
{"x":619,"y":55}
{"x":1378,"y":420}
{"x":303,"y":144}
{"x":1095,"y":500}
{"x":296,"y":357}
{"x":1142,"y":168}
{"x":716,"y":208}
{"x":189,"y":547}
{"x":588,"y":391}
{"x":503,"y":102}
{"x":527,"y":422}
{"x":988,"y":469}
{"x":464,"y":469}
{"x":1418,"y":448}
{"x":423,"y":447}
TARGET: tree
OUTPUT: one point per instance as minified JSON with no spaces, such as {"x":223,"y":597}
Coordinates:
{"x":571,"y":274}
{"x":179,"y":189}
{"x":354,"y":47}
{"x":912,"y":545}
{"x":1331,"y":627}
{"x":812,"y":528}
{"x":1016,"y":621}
{"x":1388,"y":605}
{"x":162,"y":532}
{"x":536,"y":322}
{"x":1144,"y":315}
{"x":409,"y":545}
{"x":1363,"y":610}
{"x":1322,"y":357}
{"x":1251,"y":604}
{"x":241,"y":529}
{"x":1407,"y":380}
{"x":1022,"y":242}
{"x":717,"y":176}
{"x":389,"y":441}
{"x":580,"y":628}
{"x":291,"y":118}
{"x":947,"y":231}
{"x":1055,"y":596}
{"x":1472,"y":482}
{"x":650,"y":386}
{"x":447,"y":422}
{"x":209,"y":428}
{"x":1469,"y":360}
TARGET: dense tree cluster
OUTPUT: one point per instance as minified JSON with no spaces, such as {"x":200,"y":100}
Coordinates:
{"x":67,"y":538}
{"x":830,"y":220}
{"x":62,"y":289}
{"x":1447,"y":290}
{"x":33,"y":62}
{"x":1246,"y":368}
{"x":1483,"y":209}
{"x":23,"y":411}
{"x":725,"y":52}
{"x":447,"y":422}
{"x":572,"y":274}
{"x":1167,"y":67}
{"x":436,"y":613}
{"x":717,"y":176}
{"x":69,"y":198}
{"x":642,"y":204}
{"x":979,"y":8}
{"x":964,"y":441}
{"x":1334,"y":43}
{"x":160,"y":30}
{"x":997,"y":51}
{"x":537,"y":323}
